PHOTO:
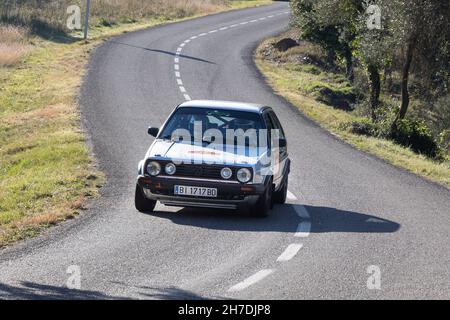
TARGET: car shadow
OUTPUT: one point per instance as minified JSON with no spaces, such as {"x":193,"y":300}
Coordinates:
{"x":283,"y":218}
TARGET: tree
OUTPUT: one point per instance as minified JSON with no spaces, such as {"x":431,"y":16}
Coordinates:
{"x":421,"y":29}
{"x":331,"y":24}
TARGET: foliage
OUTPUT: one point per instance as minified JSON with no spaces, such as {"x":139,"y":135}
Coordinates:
{"x":404,"y":63}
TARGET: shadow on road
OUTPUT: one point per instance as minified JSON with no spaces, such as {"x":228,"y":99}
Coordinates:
{"x":164,"y":293}
{"x":34,"y":291}
{"x":163,"y":52}
{"x":334,"y":220}
{"x":283,"y":219}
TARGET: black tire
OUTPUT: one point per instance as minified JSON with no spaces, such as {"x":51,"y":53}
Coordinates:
{"x":264,"y":204}
{"x":281,"y":195}
{"x":141,"y":202}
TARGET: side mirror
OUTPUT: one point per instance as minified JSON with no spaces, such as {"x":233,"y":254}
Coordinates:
{"x":282,"y":143}
{"x":153,"y":131}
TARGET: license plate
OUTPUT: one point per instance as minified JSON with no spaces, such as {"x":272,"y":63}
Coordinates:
{"x":195,"y":191}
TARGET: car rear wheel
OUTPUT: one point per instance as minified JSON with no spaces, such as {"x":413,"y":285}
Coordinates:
{"x":281,"y":195}
{"x":141,"y":202}
{"x":264,"y":204}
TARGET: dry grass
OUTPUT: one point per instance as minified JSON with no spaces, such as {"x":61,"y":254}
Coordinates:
{"x":13,"y":45}
{"x":49,"y":16}
{"x":12,"y":54}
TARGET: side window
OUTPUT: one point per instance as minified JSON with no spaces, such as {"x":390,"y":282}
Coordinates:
{"x":276,"y":123}
{"x":269,"y":125}
{"x":268,"y":121}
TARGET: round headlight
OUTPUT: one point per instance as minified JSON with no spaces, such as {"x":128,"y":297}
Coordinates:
{"x":244,"y":175}
{"x":153,"y":168}
{"x":226,"y":173}
{"x":170,"y":168}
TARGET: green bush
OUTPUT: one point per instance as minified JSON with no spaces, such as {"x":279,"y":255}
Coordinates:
{"x":364,"y":126}
{"x":338,"y":97}
{"x":103,"y":22}
{"x":444,"y":141}
{"x":417,"y":136}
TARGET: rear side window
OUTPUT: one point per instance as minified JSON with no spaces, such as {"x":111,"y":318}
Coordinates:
{"x":276,"y":123}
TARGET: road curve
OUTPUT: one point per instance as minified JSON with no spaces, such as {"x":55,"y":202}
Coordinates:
{"x":350,"y":218}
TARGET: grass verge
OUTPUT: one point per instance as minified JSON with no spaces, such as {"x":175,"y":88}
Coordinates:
{"x":46,"y":170}
{"x":293,"y":75}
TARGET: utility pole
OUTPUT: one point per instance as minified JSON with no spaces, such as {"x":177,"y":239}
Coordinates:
{"x":86,"y":19}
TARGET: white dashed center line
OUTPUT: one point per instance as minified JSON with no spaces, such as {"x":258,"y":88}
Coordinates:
{"x":180,"y":48}
{"x":303,"y":229}
{"x":290,"y":252}
{"x":302,"y":212}
{"x":251,"y":280}
{"x":305,"y":226}
{"x":291,"y":196}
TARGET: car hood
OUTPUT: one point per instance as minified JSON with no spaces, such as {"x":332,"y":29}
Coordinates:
{"x":177,"y":151}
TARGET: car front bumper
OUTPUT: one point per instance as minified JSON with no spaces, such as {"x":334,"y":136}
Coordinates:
{"x":230,"y":195}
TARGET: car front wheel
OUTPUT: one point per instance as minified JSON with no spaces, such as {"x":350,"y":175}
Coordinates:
{"x":281,"y":195}
{"x":264,"y":204}
{"x":141,"y":202}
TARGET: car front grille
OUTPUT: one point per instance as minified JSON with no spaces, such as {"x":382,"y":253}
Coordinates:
{"x":205,"y":171}
{"x":202,"y":171}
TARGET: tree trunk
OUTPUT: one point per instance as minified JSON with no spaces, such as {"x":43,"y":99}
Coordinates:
{"x":349,"y":66}
{"x":331,"y":58}
{"x":405,"y":76}
{"x":375,"y":89}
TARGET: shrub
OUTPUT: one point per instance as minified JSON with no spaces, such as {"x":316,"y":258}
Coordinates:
{"x":444,"y":141}
{"x":364,"y":126}
{"x":417,"y":136}
{"x":105,"y":22}
{"x":340,"y":98}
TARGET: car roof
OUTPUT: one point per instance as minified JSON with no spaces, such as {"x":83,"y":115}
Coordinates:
{"x":224,"y":105}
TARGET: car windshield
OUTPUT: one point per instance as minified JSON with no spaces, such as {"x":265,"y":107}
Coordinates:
{"x":207,"y":125}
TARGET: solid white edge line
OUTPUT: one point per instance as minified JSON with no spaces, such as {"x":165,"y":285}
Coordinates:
{"x":301,"y":211}
{"x":251,"y":280}
{"x":303,"y":229}
{"x":290,"y":252}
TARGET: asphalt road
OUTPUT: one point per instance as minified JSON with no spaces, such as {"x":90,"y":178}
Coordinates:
{"x":348,"y":213}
